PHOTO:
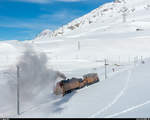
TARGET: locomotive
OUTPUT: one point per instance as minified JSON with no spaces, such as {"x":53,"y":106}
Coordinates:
{"x":67,"y":86}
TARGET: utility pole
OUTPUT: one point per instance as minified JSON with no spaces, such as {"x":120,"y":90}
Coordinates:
{"x":124,"y":17}
{"x":135,"y":60}
{"x":119,"y":60}
{"x":18,"y":91}
{"x":129,"y":59}
{"x":97,"y":12}
{"x":125,"y":11}
{"x":105,"y":69}
{"x":124,"y":14}
{"x":79,"y":45}
{"x":141,"y":58}
{"x":78,"y":48}
{"x":62,"y":29}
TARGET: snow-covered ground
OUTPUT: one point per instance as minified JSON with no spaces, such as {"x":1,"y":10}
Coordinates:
{"x":102,"y":34}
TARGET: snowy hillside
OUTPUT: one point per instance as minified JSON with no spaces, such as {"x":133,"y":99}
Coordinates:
{"x":112,"y":33}
{"x":107,"y":16}
{"x":115,"y":97}
{"x":117,"y":31}
{"x":114,"y":29}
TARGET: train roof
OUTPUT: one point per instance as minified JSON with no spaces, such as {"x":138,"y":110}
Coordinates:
{"x":72,"y":80}
{"x":90,"y":75}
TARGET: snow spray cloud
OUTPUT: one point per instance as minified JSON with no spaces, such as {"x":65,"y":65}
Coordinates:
{"x":34,"y":74}
{"x":35,"y":77}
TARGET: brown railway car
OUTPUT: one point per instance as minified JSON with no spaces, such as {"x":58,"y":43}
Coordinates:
{"x":91,"y":78}
{"x":83,"y":84}
{"x":67,"y":86}
{"x":58,"y":89}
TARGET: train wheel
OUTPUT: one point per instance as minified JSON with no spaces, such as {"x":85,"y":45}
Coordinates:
{"x":69,"y":91}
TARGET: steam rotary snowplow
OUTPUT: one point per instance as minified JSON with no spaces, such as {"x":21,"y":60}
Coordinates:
{"x":67,"y":86}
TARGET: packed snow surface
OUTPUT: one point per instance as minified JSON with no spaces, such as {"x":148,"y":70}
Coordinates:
{"x":117,"y":32}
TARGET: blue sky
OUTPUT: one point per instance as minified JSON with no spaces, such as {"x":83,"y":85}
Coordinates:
{"x":24,"y":19}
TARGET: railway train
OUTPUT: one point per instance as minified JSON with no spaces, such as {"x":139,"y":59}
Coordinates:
{"x":67,"y":86}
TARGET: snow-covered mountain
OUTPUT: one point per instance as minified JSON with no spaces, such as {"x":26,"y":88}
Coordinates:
{"x":46,"y":34}
{"x":119,"y":28}
{"x":110,"y":14}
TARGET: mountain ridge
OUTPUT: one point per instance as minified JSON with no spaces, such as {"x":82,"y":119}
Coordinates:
{"x":108,"y":13}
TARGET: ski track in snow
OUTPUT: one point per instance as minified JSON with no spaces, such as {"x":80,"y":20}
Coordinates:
{"x":43,"y":104}
{"x":116,"y":98}
{"x":129,"y":109}
{"x":34,"y":108}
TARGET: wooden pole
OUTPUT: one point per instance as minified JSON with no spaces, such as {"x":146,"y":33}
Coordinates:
{"x":141,"y":58}
{"x":129,"y":59}
{"x":105,"y":69}
{"x":18,"y":92}
{"x":119,"y":60}
{"x":62,"y":29}
{"x":124,"y":17}
{"x":79,"y":45}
